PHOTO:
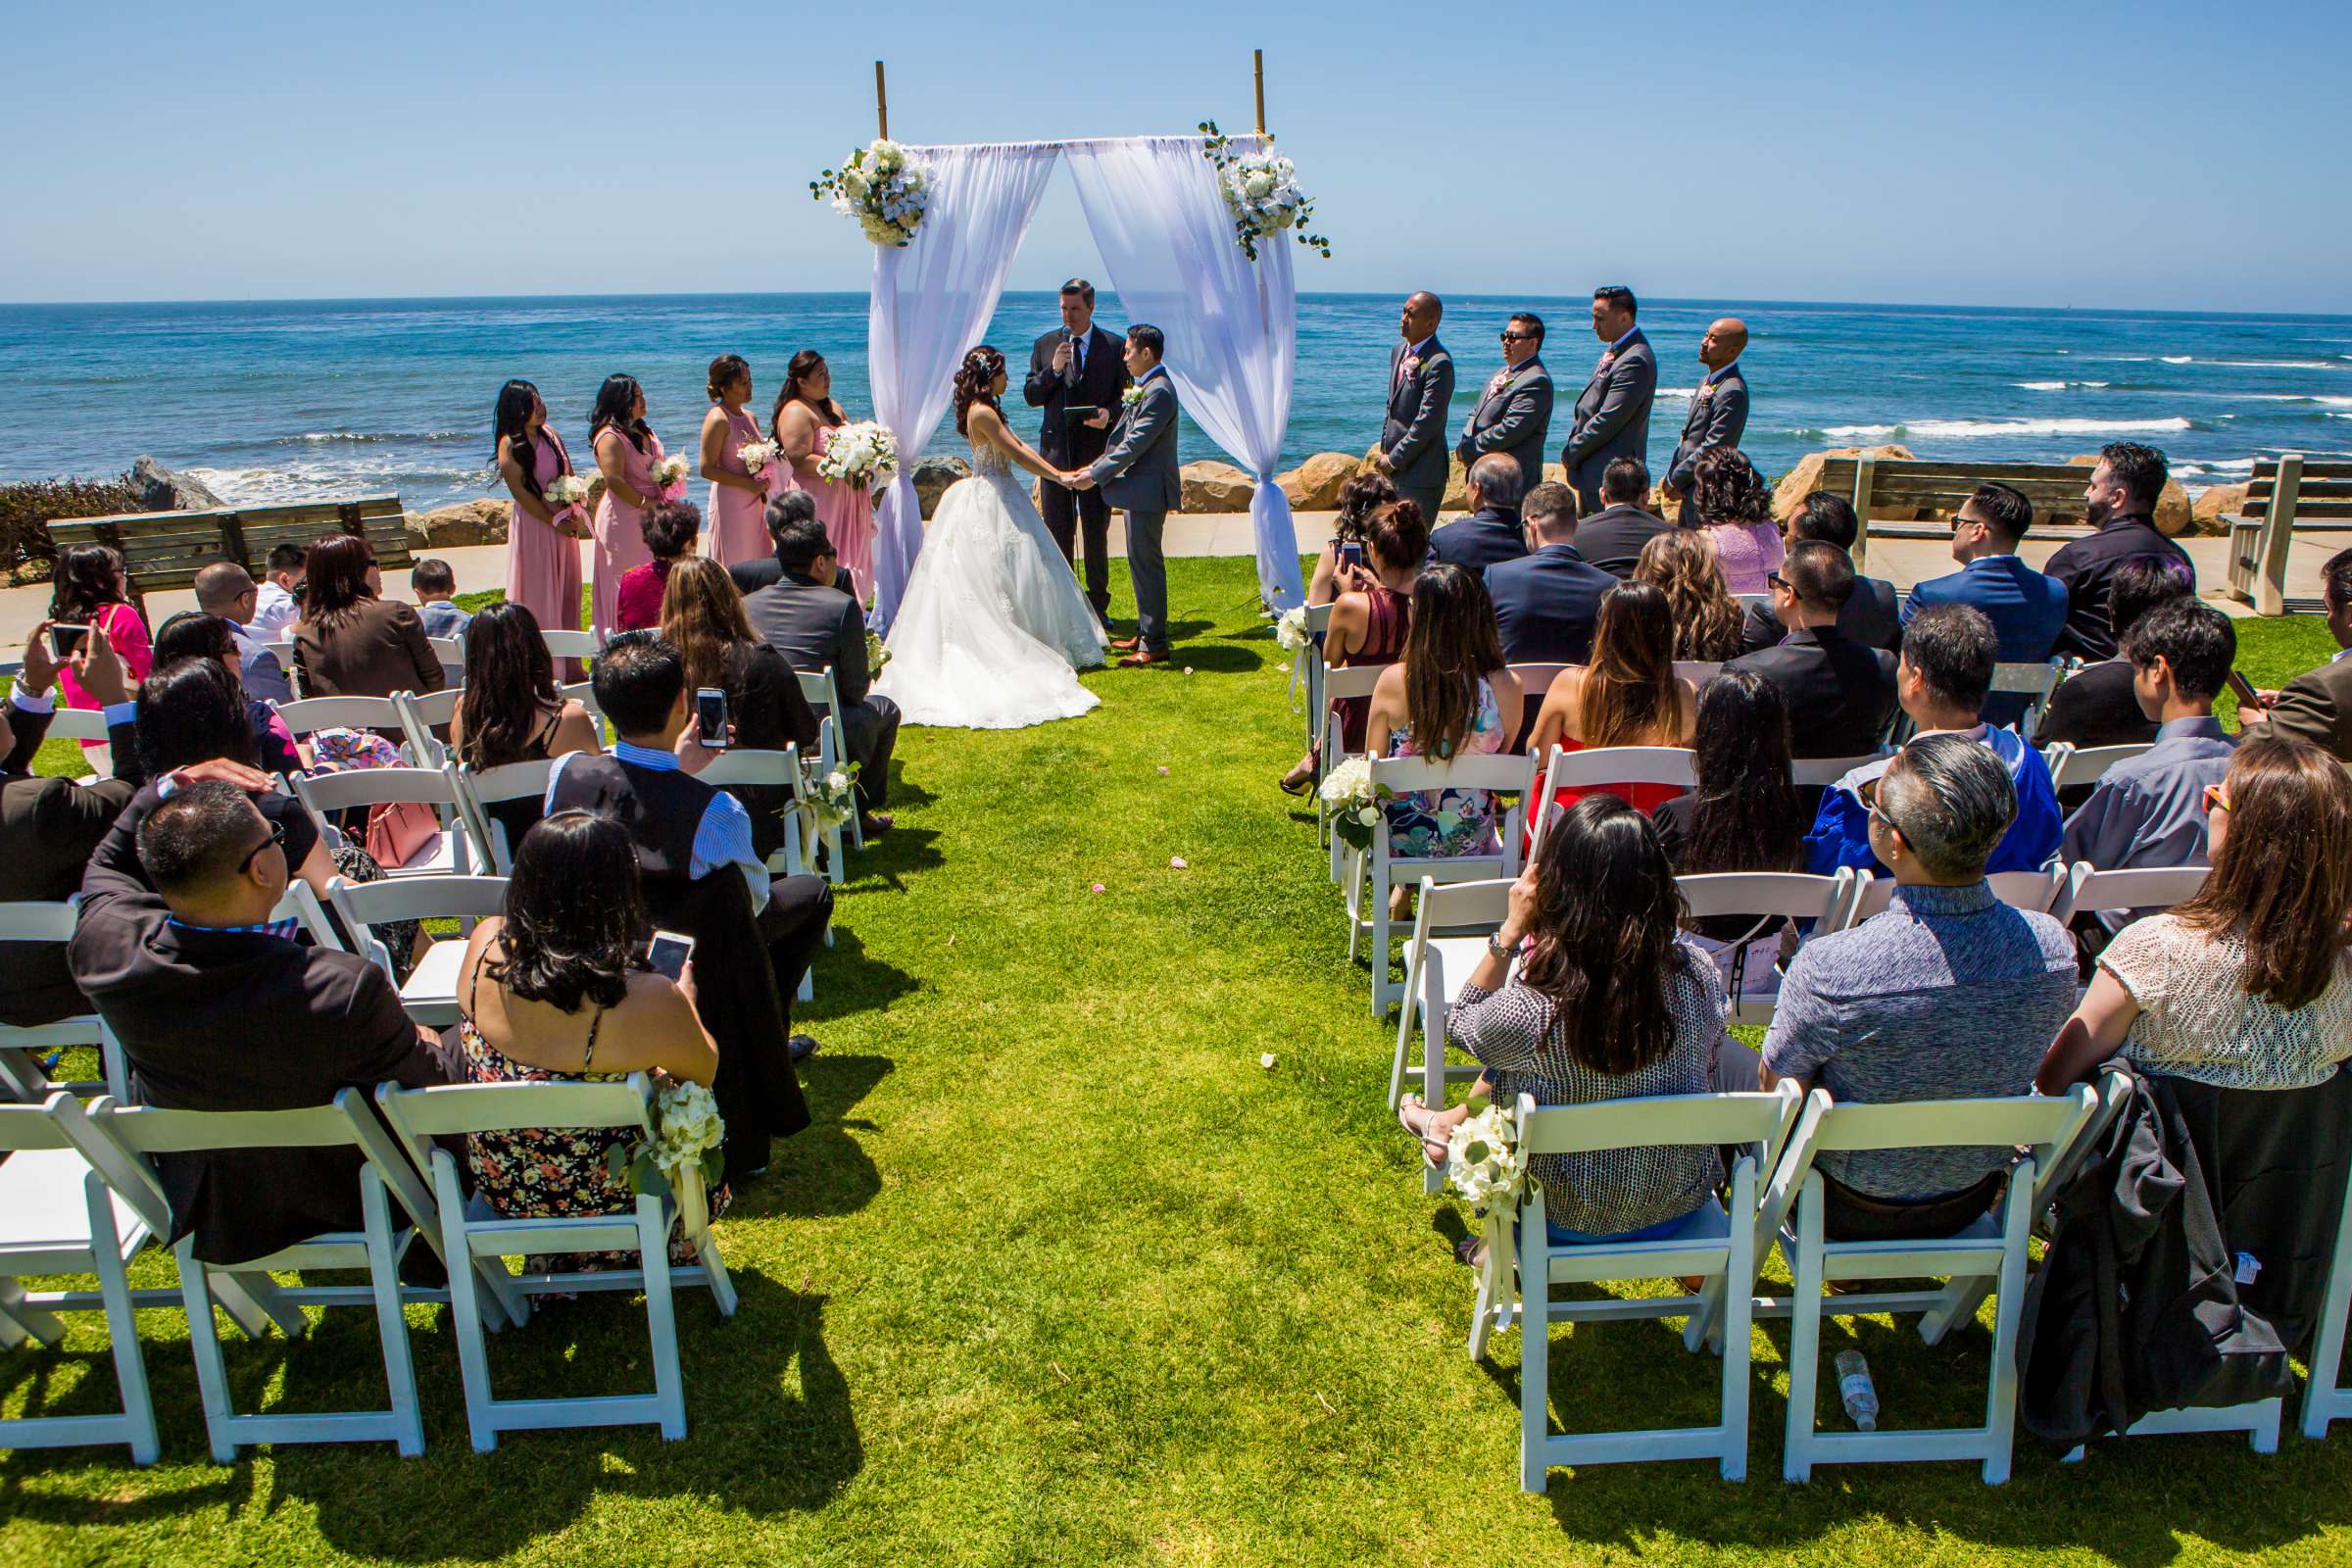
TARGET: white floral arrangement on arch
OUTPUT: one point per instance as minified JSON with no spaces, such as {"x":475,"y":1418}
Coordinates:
{"x":1261,"y":191}
{"x":881,"y":187}
{"x":861,"y":453}
{"x":1347,"y":794}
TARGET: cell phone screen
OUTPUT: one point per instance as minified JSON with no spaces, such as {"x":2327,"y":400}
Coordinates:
{"x":669,"y":951}
{"x":65,"y":641}
{"x":1351,"y":554}
{"x":711,"y":716}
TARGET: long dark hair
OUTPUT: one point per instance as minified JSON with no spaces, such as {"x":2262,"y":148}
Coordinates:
{"x":702,"y":615}
{"x":802,"y":365}
{"x":1449,"y":644}
{"x":975,"y":382}
{"x":335,"y":576}
{"x":193,"y":634}
{"x":1743,"y":814}
{"x":615,"y":405}
{"x":1606,"y":914}
{"x":85,"y":583}
{"x":574,"y":914}
{"x":190,"y":712}
{"x":510,"y":680}
{"x":2282,"y":876}
{"x":508,"y":422}
{"x":1629,"y":684}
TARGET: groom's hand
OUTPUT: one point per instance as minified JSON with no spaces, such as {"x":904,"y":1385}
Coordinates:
{"x":1081,"y":480}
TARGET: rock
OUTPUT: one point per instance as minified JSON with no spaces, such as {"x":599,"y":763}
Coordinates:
{"x":1216,"y":487}
{"x":2172,"y":511}
{"x":469,"y":522}
{"x":1315,"y":484}
{"x":162,"y":489}
{"x":2206,"y":510}
{"x":1805,"y":478}
{"x":933,"y":475}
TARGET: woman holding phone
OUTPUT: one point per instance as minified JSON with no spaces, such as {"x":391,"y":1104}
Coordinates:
{"x":93,"y":590}
{"x":702,"y":615}
{"x":1369,"y":616}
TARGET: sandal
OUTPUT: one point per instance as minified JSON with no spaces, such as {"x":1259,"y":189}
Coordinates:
{"x":1298,"y":779}
{"x":1405,"y":1106}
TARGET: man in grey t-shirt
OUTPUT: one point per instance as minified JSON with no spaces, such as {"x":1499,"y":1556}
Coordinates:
{"x":1948,"y":995}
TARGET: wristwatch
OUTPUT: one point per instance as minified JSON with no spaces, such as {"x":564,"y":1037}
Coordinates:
{"x":1497,"y":948}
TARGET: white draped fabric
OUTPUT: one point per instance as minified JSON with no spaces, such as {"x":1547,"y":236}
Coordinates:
{"x":932,"y":301}
{"x":1168,"y":246}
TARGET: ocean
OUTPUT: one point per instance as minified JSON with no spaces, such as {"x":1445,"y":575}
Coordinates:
{"x":278,"y":400}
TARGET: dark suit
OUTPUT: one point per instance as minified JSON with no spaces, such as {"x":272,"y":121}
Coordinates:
{"x":1718,"y":420}
{"x":812,"y":625}
{"x":48,"y":829}
{"x":1612,"y":538}
{"x":1839,"y":694}
{"x":1513,"y":414}
{"x":2315,"y":706}
{"x":1612,"y":417}
{"x":2088,"y":569}
{"x":1413,"y":433}
{"x":1095,"y":382}
{"x":765,"y":572}
{"x":1141,"y":474}
{"x":2095,"y":707}
{"x":1867,"y":616}
{"x":1478,"y":541}
{"x":1546,"y":605}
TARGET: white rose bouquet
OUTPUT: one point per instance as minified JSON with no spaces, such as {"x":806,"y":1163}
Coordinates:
{"x":1483,"y":1163}
{"x":756,"y":455}
{"x":669,"y":476}
{"x":682,"y":1157}
{"x":568,"y":493}
{"x":861,"y":453}
{"x":1290,"y":629}
{"x":1261,"y":191}
{"x":881,"y":188}
{"x":1353,"y":803}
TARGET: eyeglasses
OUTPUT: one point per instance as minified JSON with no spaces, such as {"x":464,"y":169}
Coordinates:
{"x":1774,"y":579}
{"x":278,"y":836}
{"x":1519,"y":338}
{"x":2216,"y":798}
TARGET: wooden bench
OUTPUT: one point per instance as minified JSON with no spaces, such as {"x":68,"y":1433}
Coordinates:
{"x":167,"y":548}
{"x":1890,"y":493}
{"x":2286,"y":494}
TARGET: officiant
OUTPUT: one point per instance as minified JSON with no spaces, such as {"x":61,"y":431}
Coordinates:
{"x":1076,"y":376}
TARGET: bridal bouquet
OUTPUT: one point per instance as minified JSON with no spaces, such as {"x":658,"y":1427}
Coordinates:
{"x":669,"y":476}
{"x":879,"y":186}
{"x":1261,"y":191}
{"x":756,"y":455}
{"x":861,"y":453}
{"x":568,"y":493}
{"x":687,"y":1133}
{"x":1483,"y":1163}
{"x":1347,"y":794}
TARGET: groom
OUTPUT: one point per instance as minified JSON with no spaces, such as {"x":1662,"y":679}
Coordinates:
{"x":1139,"y":475}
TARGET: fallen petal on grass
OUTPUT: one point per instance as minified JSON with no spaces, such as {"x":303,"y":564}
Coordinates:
{"x":1176,"y":864}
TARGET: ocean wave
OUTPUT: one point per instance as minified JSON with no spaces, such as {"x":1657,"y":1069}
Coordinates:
{"x":2058,"y":386}
{"x":372,"y":436}
{"x":310,"y":481}
{"x":2258,"y":364}
{"x":1973,"y":429}
{"x":1684,"y":393}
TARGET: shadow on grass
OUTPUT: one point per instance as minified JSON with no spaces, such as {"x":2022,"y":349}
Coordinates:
{"x":850,"y":981}
{"x":823,"y":1171}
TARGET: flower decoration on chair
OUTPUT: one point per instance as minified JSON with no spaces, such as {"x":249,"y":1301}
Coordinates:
{"x":877,"y":654}
{"x":1261,"y":190}
{"x":881,"y":187}
{"x":1483,"y":1163}
{"x":1290,"y":629}
{"x":827,"y":800}
{"x":1348,"y":794}
{"x":861,"y":453}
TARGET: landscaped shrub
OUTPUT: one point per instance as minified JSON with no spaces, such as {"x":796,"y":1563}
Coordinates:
{"x":26,"y":508}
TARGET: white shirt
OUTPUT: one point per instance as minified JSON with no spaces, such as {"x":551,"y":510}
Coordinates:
{"x":274,"y":611}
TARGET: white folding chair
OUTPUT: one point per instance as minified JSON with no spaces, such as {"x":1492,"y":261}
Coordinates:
{"x":2087,"y":887}
{"x":1698,"y":671}
{"x":564,"y":643}
{"x":825,"y":697}
{"x":418,"y":1116}
{"x":2324,"y":1397}
{"x":310,"y":714}
{"x":478,"y":791}
{"x":753,"y":768}
{"x":1378,"y":868}
{"x":451,"y":650}
{"x":2034,"y":682}
{"x":1601,"y":766}
{"x":1334,"y":686}
{"x":1535,"y":680}
{"x":1820,"y":772}
{"x":79,"y":724}
{"x":2035,"y":892}
{"x":1769,"y":900}
{"x":23,"y":1074}
{"x":1450,"y":927}
{"x":285,"y":660}
{"x":421,"y":715}
{"x":430,"y":993}
{"x":1720,"y":1246}
{"x":1306,"y":667}
{"x":301,"y":905}
{"x":442,"y":855}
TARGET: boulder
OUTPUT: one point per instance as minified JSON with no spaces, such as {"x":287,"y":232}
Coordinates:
{"x":2206,"y":510}
{"x":933,"y":475}
{"x":469,"y":522}
{"x":2172,"y":511}
{"x":1805,"y":478}
{"x":1215,"y":487}
{"x":1315,"y":484}
{"x":162,"y":489}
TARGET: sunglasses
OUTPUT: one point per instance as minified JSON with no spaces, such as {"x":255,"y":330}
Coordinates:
{"x":278,"y":836}
{"x":1774,"y":579}
{"x":2216,"y":798}
{"x":1518,"y":337}
{"x":1870,"y":802}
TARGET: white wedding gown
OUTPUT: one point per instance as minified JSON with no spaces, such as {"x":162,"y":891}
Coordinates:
{"x":993,"y":629}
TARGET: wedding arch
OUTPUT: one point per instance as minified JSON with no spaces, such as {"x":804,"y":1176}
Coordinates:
{"x":1169,"y":249}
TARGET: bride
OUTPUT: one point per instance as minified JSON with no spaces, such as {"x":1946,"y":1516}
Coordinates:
{"x":993,"y":629}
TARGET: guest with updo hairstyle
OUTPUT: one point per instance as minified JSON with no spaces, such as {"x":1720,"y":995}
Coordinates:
{"x":669,"y":531}
{"x":738,"y":496}
{"x":1681,"y":563}
{"x":1369,"y":617}
{"x":801,"y":425}
{"x":1735,"y":510}
{"x":1359,"y":498}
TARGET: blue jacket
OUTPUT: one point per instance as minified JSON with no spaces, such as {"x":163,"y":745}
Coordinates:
{"x":2027,"y":609}
{"x":1841,"y":833}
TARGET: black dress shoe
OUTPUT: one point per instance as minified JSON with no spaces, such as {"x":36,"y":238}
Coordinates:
{"x":802,"y":1047}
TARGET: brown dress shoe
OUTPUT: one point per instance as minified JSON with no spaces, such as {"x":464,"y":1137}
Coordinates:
{"x":1140,"y":661}
{"x":1125,"y":645}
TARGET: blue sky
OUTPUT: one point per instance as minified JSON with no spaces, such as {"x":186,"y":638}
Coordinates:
{"x":1993,"y":153}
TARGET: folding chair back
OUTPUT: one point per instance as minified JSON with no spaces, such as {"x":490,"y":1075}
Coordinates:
{"x":1307,"y":665}
{"x":309,"y":714}
{"x":1451,"y":926}
{"x":430,"y":992}
{"x":421,"y":715}
{"x":79,"y":724}
{"x":2035,"y":892}
{"x":435,"y":787}
{"x":1767,"y":899}
{"x":2076,"y":766}
{"x":752,"y":768}
{"x":1535,"y":680}
{"x":1504,"y":773}
{"x":566,"y":643}
{"x":1820,"y":772}
{"x":1671,"y":766}
{"x":2035,"y":681}
{"x":481,"y":789}
{"x":2088,"y":887}
{"x":24,"y":1073}
{"x":1698,"y":671}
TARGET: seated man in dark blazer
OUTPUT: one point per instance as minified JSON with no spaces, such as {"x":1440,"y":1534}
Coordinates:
{"x":765,"y":572}
{"x":1491,"y":533}
{"x":1545,"y":604}
{"x":1612,"y":537}
{"x":2096,"y":706}
{"x":2027,"y":609}
{"x":1839,"y":692}
{"x":2120,"y":505}
{"x":2316,"y":705}
{"x":216,"y":1010}
{"x":1869,"y":616}
{"x":805,"y":616}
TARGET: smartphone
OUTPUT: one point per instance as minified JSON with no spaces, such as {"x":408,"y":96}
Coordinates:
{"x":669,"y":953}
{"x":1351,"y":554}
{"x":2246,"y":694}
{"x":65,"y":641}
{"x":711,"y":716}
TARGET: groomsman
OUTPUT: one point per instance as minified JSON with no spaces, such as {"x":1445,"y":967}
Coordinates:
{"x":1612,"y":416}
{"x":1077,"y":366}
{"x":1412,"y":438}
{"x":1513,"y":413}
{"x":1141,"y":474}
{"x":1717,"y":416}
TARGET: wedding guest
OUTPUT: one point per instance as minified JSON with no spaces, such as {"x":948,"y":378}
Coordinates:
{"x":1514,"y":409}
{"x":2120,"y":505}
{"x":627,"y":453}
{"x":1413,"y":432}
{"x":275,"y":605}
{"x":1077,"y":366}
{"x":351,"y":642}
{"x":1839,"y":694}
{"x":785,"y":511}
{"x":738,"y":496}
{"x":1612,"y":413}
{"x":1368,"y":620}
{"x":703,"y":619}
{"x":2249,"y":984}
{"x":227,"y":590}
{"x":2315,"y":706}
{"x":1609,"y":1001}
{"x":1681,"y":563}
{"x":92,"y":589}
{"x":1449,"y":696}
{"x":1870,"y":615}
{"x":1614,"y":537}
{"x":2096,"y":704}
{"x":1492,"y":533}
{"x":2027,"y":609}
{"x":512,"y":710}
{"x":193,"y":634}
{"x":543,"y":551}
{"x":1734,"y":507}
{"x":1545,"y":603}
{"x":669,"y":531}
{"x":1359,"y":498}
{"x":1629,"y":695}
{"x":1718,"y":412}
{"x":433,"y":583}
{"x":802,"y":425}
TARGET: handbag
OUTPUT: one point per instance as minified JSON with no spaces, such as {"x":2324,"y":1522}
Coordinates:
{"x":398,"y":829}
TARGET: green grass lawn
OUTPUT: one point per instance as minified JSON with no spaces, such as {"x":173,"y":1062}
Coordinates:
{"x":1062,"y":1274}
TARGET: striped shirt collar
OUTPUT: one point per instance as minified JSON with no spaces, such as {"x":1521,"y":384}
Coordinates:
{"x":650,"y":758}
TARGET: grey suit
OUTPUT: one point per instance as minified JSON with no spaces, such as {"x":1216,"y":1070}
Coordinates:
{"x":1718,"y":420}
{"x":1413,"y":435}
{"x":813,"y":627}
{"x":1513,"y":414}
{"x":1139,"y":474}
{"x":1612,"y":418}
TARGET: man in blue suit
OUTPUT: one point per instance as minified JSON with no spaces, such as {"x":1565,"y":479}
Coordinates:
{"x":2027,"y":609}
{"x":1545,"y":603}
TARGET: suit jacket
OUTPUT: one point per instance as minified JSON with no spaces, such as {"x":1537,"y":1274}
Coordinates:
{"x":2316,"y":707}
{"x":1839,"y":692}
{"x":373,"y":649}
{"x":2086,"y":567}
{"x":241,"y":1020}
{"x":1612,"y":538}
{"x":1413,"y":433}
{"x":1867,"y":616}
{"x":2095,"y":707}
{"x":1098,"y":386}
{"x":1479,"y":540}
{"x":765,"y":572}
{"x":1139,"y":471}
{"x":1612,"y":417}
{"x":2027,"y":609}
{"x":1513,"y":414}
{"x":49,"y":827}
{"x":1718,"y":420}
{"x":812,"y":625}
{"x":1546,"y":605}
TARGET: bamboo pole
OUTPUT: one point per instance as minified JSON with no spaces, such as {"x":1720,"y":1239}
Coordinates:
{"x":1258,"y":56}
{"x":882,"y":101}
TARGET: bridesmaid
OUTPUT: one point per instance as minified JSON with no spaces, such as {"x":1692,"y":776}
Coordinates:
{"x":627,"y":450}
{"x":543,"y":552}
{"x":738,"y":497}
{"x":804,"y":418}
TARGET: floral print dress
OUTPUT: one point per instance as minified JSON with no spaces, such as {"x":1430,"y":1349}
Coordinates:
{"x":1442,"y":824}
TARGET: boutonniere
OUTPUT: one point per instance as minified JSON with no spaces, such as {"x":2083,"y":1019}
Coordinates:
{"x":1131,"y":397}
{"x":1706,"y":390}
{"x":1606,"y":359}
{"x":1503,"y":378}
{"x":1412,"y":366}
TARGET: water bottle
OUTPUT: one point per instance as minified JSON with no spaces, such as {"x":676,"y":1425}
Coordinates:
{"x":1853,"y":1387}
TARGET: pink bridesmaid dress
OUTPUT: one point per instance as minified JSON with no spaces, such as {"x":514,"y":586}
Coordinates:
{"x":737,"y":522}
{"x":846,"y":510}
{"x":619,"y":533}
{"x":543,"y":566}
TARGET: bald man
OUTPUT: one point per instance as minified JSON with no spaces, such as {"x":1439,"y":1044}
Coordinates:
{"x":1412,"y":439}
{"x":1718,"y":415}
{"x":225,"y":589}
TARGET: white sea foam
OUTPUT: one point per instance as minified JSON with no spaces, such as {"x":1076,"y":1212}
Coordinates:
{"x":2057,"y":386}
{"x":2179,"y":358}
{"x":375,"y":435}
{"x":1973,"y":429}
{"x":1685,"y":393}
{"x":2258,"y":364}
